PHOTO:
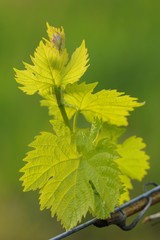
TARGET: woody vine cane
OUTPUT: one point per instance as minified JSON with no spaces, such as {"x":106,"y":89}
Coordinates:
{"x":120,"y":215}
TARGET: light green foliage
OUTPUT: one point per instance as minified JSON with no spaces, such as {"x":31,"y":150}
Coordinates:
{"x":78,"y":170}
{"x":108,"y":105}
{"x":133,"y":160}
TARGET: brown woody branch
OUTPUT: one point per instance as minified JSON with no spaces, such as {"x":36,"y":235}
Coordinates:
{"x":118,"y":218}
{"x":120,"y":215}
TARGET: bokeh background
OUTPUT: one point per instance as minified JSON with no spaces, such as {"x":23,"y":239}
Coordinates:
{"x":123,"y":38}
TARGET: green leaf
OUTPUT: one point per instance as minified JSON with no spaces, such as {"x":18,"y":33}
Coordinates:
{"x":71,"y":184}
{"x":38,"y":169}
{"x":76,"y":92}
{"x":107,"y":105}
{"x":45,"y":72}
{"x":133,"y":161}
{"x":126,"y":182}
{"x":48,"y":148}
{"x":110,"y":132}
{"x":76,"y":67}
{"x":86,"y":138}
{"x":50,"y":66}
{"x":70,"y":193}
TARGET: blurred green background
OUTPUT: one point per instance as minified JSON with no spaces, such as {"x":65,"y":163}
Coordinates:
{"x":123,"y":38}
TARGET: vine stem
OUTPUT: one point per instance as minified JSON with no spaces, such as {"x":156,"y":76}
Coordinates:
{"x":59,"y":98}
{"x":127,"y":209}
{"x":75,"y":121}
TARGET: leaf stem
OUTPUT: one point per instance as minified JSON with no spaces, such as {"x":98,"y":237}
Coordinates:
{"x":58,"y":94}
{"x":75,"y":121}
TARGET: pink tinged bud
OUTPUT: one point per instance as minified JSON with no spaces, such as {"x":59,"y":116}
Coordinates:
{"x":58,"y":41}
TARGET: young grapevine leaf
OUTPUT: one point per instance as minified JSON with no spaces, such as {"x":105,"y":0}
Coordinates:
{"x":108,"y":105}
{"x":50,"y":66}
{"x":111,"y":132}
{"x":74,"y":188}
{"x":70,"y":183}
{"x":78,"y":169}
{"x":126,"y":181}
{"x":133,"y":161}
{"x":76,"y":67}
